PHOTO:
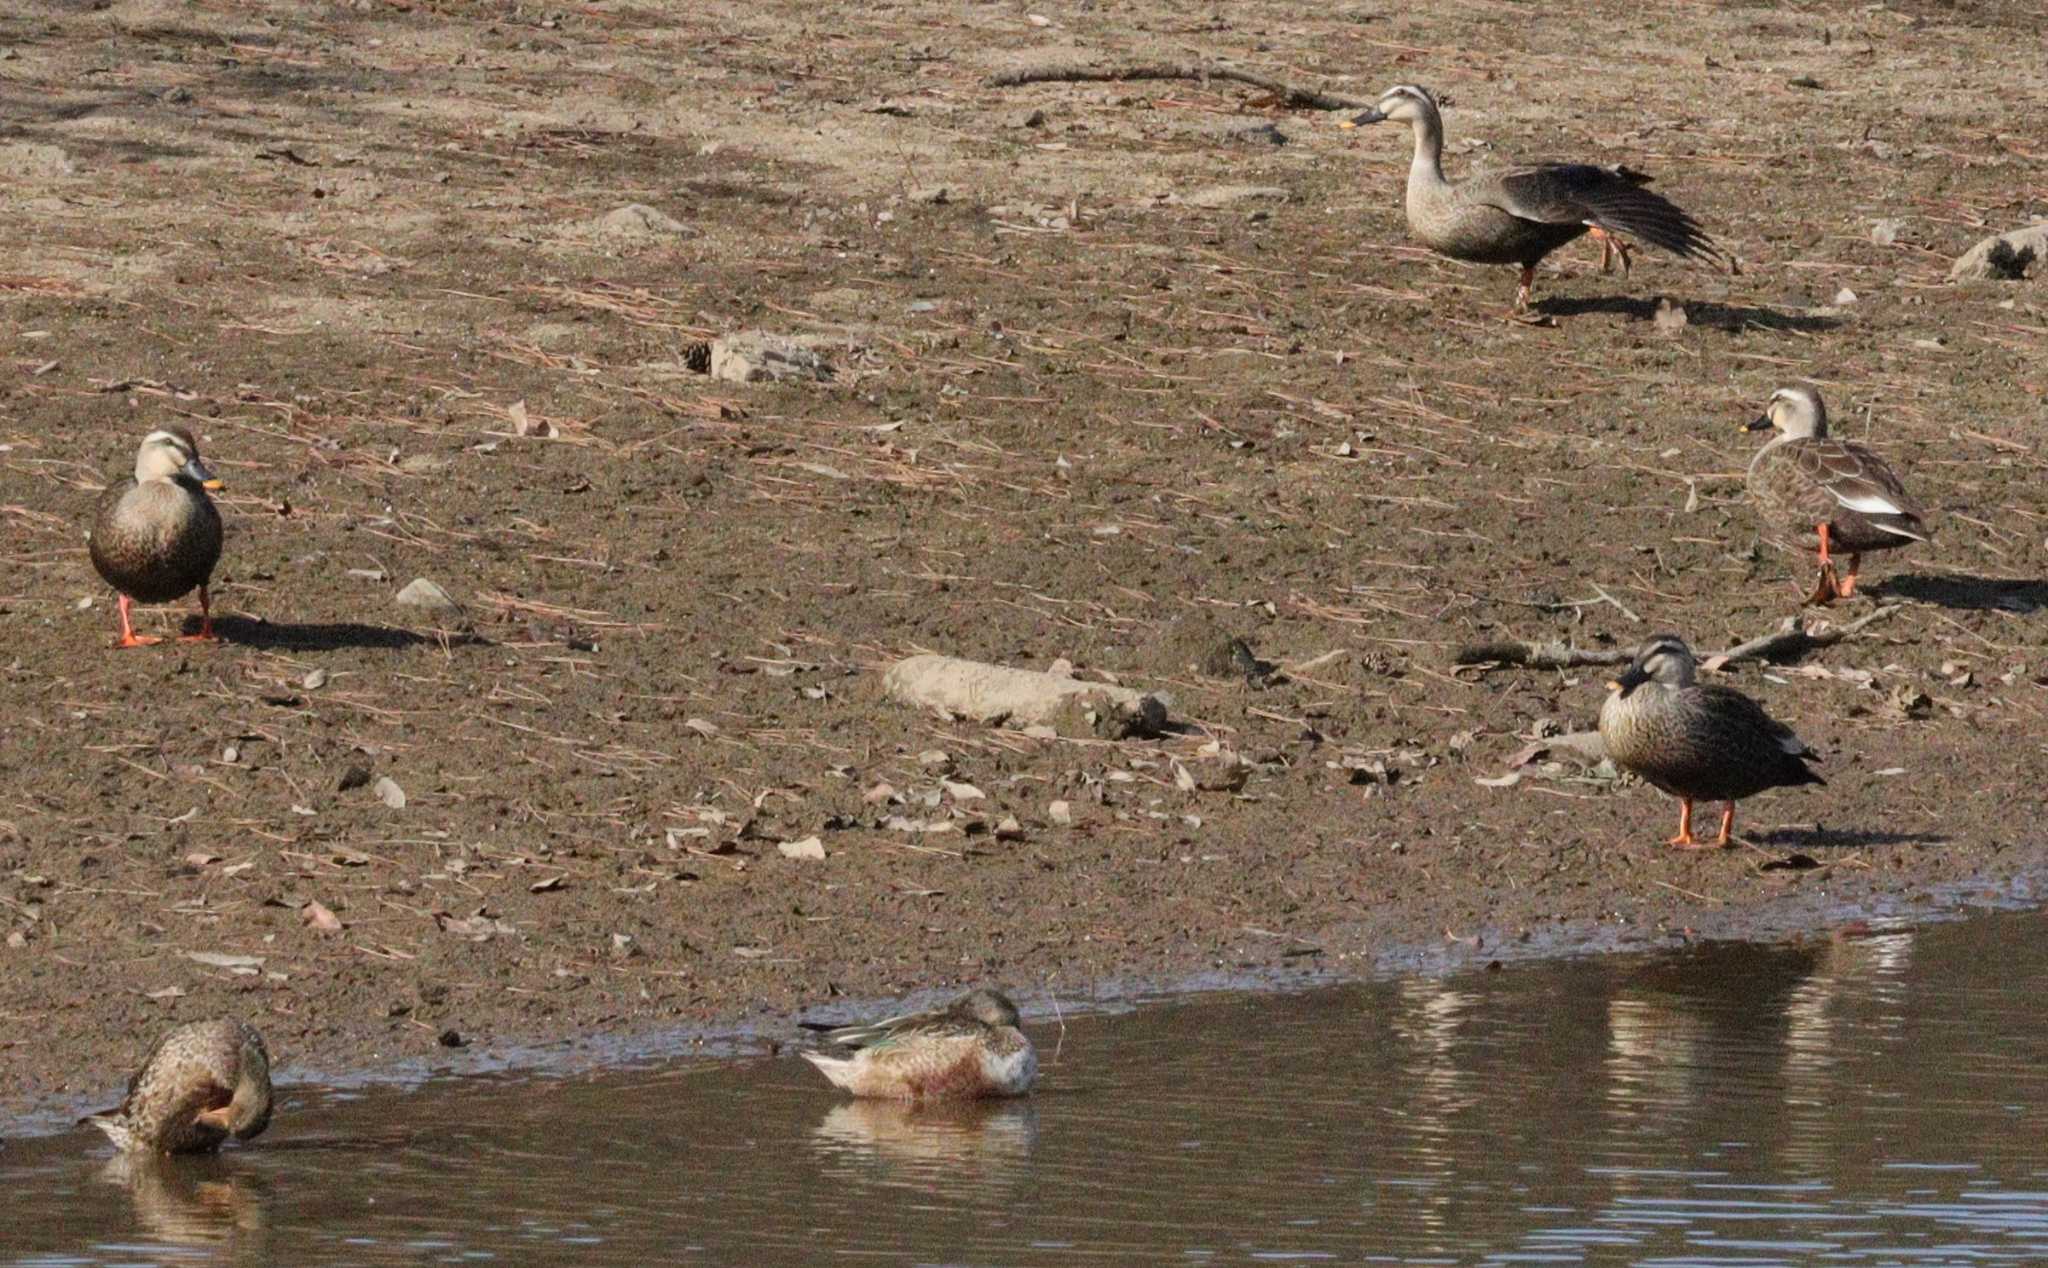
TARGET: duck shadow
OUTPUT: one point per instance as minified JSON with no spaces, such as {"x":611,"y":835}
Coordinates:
{"x":1728,"y":317}
{"x":1839,"y":838}
{"x":323,"y":636}
{"x":1960,"y":590}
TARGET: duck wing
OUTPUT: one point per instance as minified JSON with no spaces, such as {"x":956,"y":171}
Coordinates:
{"x":1609,"y":198}
{"x":1743,"y":727}
{"x":938,"y":1022}
{"x":1860,"y":481}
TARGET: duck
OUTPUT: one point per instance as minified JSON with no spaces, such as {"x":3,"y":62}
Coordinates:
{"x":201,"y":1084}
{"x":157,"y":535}
{"x":1817,"y":492}
{"x":1519,"y":215}
{"x":1697,"y":742}
{"x":970,"y":1048}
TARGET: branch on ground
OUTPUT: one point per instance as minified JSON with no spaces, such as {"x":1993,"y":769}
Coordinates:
{"x":1068,"y":73}
{"x":1791,"y":639}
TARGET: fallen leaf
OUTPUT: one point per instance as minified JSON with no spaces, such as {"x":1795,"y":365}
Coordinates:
{"x":1508,"y":780}
{"x":168,"y":992}
{"x":701,"y":727}
{"x":223,"y":960}
{"x":200,"y":859}
{"x":961,"y":791}
{"x":542,"y":887}
{"x":319,"y":917}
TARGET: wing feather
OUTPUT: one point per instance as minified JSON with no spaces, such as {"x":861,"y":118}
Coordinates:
{"x":1609,"y":198}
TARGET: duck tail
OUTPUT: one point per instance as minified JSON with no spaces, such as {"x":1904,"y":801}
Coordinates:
{"x":838,"y":1069}
{"x":115,"y":1125}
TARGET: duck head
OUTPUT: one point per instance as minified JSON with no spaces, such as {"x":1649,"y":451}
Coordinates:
{"x":1664,"y":660}
{"x":247,"y":1113}
{"x":1797,"y":412}
{"x":171,"y":453}
{"x":1403,"y":103}
{"x":989,"y":1007}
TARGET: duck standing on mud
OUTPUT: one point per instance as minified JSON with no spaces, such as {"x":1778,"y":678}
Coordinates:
{"x":199,"y":1085}
{"x":970,"y":1048}
{"x":1521,"y":214}
{"x":1836,"y":495}
{"x":157,"y":534}
{"x":1696,"y":742}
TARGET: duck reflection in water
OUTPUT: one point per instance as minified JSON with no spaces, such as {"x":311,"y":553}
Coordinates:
{"x":188,"y":1200}
{"x":948,"y":1145}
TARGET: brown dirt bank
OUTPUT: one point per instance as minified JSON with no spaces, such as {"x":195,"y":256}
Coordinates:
{"x":1091,"y":411}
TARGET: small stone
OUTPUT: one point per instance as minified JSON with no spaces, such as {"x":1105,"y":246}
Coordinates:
{"x":314,"y":680}
{"x":17,"y":939}
{"x":428,"y":596}
{"x":2005,"y":257}
{"x":1886,"y":232}
{"x":1036,"y":119}
{"x":1060,"y":814}
{"x":1009,"y":829}
{"x":758,"y":357}
{"x":1844,"y":297}
{"x":389,"y":792}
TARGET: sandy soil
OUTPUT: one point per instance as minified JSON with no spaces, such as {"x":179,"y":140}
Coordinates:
{"x":1140,"y":381}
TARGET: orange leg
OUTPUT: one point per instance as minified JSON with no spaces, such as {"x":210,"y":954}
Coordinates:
{"x":1727,"y":825}
{"x":205,"y":634}
{"x":1826,"y":588}
{"x":1522,"y":289}
{"x":129,"y":638}
{"x":1848,"y":583}
{"x":1685,"y":836}
{"x":1611,"y":249}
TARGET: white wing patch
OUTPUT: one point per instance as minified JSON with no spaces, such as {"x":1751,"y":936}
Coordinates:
{"x":1869,"y":503}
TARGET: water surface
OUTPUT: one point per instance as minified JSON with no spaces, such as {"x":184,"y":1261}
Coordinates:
{"x":1870,"y":1100}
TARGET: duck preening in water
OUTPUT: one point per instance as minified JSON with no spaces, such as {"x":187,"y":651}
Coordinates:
{"x":199,"y":1085}
{"x":970,"y":1048}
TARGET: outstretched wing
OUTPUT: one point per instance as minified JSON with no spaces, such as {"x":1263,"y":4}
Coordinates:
{"x":1610,"y":198}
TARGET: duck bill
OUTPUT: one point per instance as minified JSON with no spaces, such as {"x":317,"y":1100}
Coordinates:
{"x":1374,"y":115}
{"x":1762,"y":422}
{"x":196,"y":472}
{"x":1628,"y":681}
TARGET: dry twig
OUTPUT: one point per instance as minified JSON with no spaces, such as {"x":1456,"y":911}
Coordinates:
{"x":1791,"y":638}
{"x":1068,"y":73}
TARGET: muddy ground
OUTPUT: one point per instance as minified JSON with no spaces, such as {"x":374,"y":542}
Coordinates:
{"x":1140,"y":380}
